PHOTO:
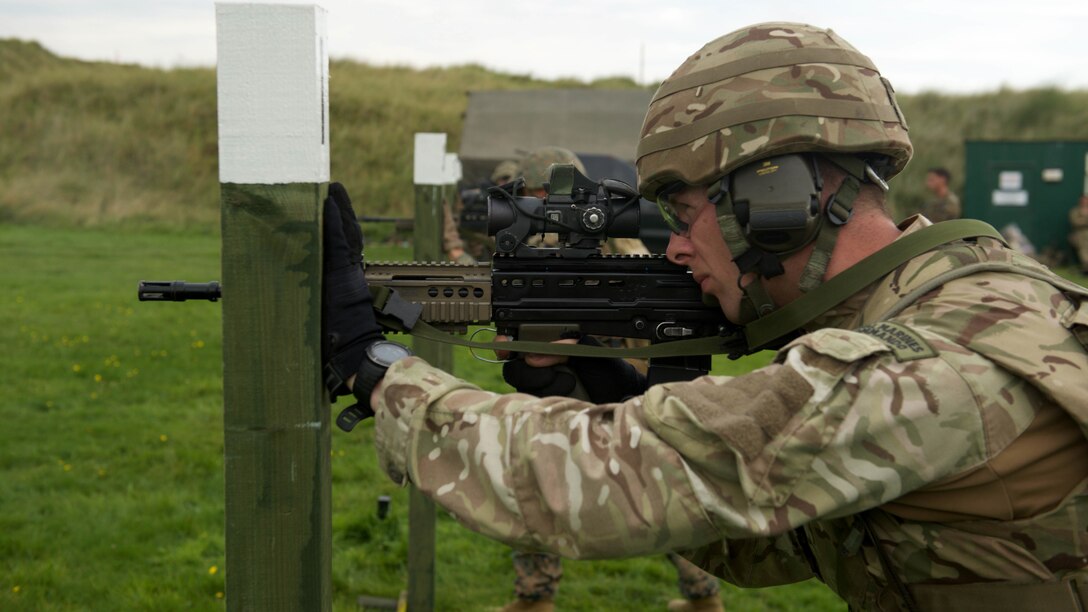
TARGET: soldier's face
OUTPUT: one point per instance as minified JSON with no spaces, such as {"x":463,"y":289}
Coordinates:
{"x":703,"y":250}
{"x":934,"y":181}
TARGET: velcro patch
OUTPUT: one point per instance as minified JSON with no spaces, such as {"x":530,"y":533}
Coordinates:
{"x":906,"y":343}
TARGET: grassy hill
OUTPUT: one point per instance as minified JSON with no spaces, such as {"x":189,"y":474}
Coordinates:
{"x":89,"y":143}
{"x":92,"y":143}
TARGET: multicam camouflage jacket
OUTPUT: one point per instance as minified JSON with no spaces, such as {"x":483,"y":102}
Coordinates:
{"x":951,"y":432}
{"x":943,"y":209}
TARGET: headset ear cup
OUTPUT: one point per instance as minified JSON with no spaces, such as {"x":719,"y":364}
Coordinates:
{"x":776,"y":202}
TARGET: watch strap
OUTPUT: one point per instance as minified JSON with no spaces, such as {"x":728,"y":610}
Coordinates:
{"x":349,"y":417}
{"x":369,"y":375}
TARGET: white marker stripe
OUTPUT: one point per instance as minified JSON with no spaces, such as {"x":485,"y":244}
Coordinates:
{"x":272,"y":78}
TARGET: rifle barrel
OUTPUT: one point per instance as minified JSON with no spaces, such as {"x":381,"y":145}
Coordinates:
{"x":178,"y":291}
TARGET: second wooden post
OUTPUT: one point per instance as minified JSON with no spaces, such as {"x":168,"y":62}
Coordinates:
{"x":433,"y":176}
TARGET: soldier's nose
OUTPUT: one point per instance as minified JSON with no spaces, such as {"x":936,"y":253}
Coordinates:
{"x":679,"y":250}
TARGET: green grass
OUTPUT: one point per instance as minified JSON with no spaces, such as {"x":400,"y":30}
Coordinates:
{"x":111,"y":454}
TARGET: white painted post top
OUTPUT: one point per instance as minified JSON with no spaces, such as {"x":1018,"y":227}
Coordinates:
{"x":452,"y":168}
{"x":273,"y":88}
{"x":432,"y":165}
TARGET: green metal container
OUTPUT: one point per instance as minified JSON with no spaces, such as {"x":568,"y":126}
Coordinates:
{"x":1032,"y":184}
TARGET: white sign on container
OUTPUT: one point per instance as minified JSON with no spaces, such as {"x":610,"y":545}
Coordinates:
{"x":1052,"y":175}
{"x":1010,"y":180}
{"x":1009,"y":198}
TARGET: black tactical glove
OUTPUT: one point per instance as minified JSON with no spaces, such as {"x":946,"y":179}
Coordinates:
{"x":349,"y":320}
{"x":605,"y":380}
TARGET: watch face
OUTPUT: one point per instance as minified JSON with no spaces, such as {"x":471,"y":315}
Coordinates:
{"x":385,"y":353}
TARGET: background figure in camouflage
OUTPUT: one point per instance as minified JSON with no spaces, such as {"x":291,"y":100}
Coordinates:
{"x":536,"y":579}
{"x":1078,"y":236}
{"x":535,"y":168}
{"x":944,"y":204}
{"x":506,"y":171}
{"x":452,"y":243}
{"x":537,"y":575}
{"x":923,"y":446}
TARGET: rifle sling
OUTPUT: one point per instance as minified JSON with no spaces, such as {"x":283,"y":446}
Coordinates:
{"x":760,"y":333}
{"x":832,"y":292}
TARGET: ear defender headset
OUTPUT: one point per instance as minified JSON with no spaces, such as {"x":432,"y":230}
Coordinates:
{"x":770,"y":209}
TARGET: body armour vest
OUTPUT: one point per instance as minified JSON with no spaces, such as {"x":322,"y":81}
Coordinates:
{"x":1011,"y":534}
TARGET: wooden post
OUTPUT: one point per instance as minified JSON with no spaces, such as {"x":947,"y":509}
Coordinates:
{"x":434,"y":172}
{"x":274,"y":171}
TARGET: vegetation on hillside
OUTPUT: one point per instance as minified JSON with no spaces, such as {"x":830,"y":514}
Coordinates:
{"x":91,"y":143}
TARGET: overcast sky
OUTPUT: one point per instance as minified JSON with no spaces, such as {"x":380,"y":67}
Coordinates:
{"x":970,"y":45}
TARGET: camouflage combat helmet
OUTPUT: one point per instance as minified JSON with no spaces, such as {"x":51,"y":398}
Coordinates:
{"x":535,"y":166}
{"x":773,"y":93}
{"x":766,"y":90}
{"x":504,"y":172}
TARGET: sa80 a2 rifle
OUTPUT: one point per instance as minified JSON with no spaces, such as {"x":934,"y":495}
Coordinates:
{"x":537,"y":294}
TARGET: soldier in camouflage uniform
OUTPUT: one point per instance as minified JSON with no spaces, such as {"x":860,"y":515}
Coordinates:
{"x":922,"y":446}
{"x":535,"y":168}
{"x":945,"y":204}
{"x":1078,"y":237}
{"x":506,"y":171}
{"x":537,"y":575}
{"x":453,"y":243}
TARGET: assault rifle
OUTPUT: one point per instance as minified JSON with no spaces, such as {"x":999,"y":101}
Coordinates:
{"x":542,"y":293}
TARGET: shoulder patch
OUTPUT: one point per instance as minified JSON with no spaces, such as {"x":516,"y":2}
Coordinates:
{"x":906,"y":343}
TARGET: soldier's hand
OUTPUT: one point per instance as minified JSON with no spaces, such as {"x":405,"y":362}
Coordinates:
{"x":534,"y":359}
{"x":350,"y":325}
{"x":604,"y":380}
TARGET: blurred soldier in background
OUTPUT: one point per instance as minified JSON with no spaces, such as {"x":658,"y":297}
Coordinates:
{"x":451,"y":238}
{"x":506,"y":171}
{"x":452,"y":242}
{"x":537,"y":575}
{"x":944,"y":205}
{"x":535,"y":168}
{"x":1078,"y":237}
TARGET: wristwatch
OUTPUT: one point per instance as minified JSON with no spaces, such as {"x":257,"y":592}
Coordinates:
{"x":379,"y":356}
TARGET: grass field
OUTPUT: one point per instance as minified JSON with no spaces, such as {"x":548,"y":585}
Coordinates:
{"x":111,"y":453}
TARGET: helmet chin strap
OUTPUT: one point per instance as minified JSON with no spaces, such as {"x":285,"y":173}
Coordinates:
{"x":766,"y":264}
